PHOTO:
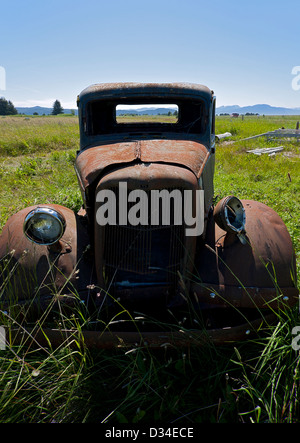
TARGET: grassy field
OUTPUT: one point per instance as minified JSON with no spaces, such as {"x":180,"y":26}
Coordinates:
{"x":36,"y":162}
{"x":254,"y":381}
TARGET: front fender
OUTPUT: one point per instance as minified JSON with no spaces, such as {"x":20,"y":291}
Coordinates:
{"x":28,"y":270}
{"x":257,"y":274}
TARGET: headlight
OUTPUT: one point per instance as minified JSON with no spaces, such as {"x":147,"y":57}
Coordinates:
{"x":229,"y":214}
{"x":44,"y":226}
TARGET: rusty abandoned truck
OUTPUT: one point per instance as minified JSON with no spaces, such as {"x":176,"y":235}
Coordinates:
{"x":229,"y":274}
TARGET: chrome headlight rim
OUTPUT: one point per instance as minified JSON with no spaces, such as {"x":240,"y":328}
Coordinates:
{"x":52,"y":215}
{"x":223,"y":215}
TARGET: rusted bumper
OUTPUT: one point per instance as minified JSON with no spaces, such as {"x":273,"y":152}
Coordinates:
{"x":137,"y":340}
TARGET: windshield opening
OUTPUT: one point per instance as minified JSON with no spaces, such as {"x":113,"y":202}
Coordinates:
{"x":111,"y":117}
{"x":135,"y":114}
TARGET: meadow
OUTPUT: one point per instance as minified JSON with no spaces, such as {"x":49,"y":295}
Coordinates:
{"x":254,"y":381}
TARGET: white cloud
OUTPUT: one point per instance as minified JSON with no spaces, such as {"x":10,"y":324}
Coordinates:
{"x":46,"y":103}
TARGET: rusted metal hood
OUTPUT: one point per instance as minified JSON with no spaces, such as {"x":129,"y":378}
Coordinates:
{"x":91,"y":162}
{"x":190,"y":154}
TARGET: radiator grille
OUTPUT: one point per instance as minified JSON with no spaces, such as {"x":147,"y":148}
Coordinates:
{"x":150,"y":254}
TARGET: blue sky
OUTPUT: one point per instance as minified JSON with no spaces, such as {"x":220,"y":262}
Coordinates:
{"x":244,"y":50}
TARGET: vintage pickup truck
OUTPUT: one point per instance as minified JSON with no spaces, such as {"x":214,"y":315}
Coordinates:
{"x":149,"y":239}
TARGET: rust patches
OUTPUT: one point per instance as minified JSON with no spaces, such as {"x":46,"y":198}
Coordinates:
{"x":190,"y":154}
{"x":138,"y":150}
{"x":40,"y":266}
{"x":91,"y":162}
{"x":247,"y":275}
{"x":162,"y":90}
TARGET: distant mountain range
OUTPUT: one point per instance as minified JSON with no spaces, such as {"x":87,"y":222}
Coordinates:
{"x":40,"y":110}
{"x":257,"y":109}
{"x":146,"y":111}
{"x":254,"y":109}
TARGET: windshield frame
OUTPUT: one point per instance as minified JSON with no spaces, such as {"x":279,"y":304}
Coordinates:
{"x":101,"y":117}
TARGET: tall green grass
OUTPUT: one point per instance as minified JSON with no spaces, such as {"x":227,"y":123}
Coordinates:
{"x":273,"y":180}
{"x":31,"y":135}
{"x":253,"y":381}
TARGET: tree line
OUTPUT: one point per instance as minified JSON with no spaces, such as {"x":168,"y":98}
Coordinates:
{"x":7,"y":107}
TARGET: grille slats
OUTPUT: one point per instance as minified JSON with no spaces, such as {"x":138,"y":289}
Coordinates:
{"x":140,"y":254}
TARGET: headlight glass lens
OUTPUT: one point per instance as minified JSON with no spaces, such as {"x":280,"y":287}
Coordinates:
{"x":44,"y":226}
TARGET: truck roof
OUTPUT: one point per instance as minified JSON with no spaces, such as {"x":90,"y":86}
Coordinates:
{"x":142,"y":90}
